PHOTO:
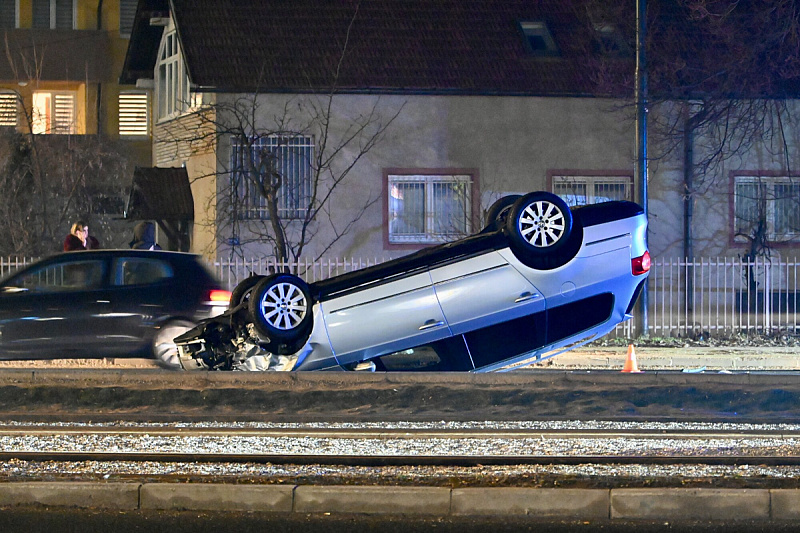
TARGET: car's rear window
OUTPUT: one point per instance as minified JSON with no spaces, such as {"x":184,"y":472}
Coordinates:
{"x":141,"y":271}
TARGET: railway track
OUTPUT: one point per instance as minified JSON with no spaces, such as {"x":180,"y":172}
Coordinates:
{"x":398,"y":446}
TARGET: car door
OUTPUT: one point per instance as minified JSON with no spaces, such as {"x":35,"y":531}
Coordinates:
{"x":384,"y":317}
{"x":483,"y":290}
{"x":52,"y":310}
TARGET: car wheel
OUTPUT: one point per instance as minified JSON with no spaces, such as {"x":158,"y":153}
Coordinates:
{"x":498,"y":211}
{"x":241,"y":293}
{"x":280,"y":307}
{"x":164,"y":349}
{"x":539,"y":223}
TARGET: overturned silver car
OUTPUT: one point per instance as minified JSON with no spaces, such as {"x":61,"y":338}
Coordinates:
{"x":538,"y":279}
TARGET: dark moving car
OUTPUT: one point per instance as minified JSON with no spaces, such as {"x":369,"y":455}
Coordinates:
{"x":539,"y":278}
{"x":106,"y":303}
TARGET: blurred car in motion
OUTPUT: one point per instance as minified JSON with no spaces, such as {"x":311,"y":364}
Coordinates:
{"x":106,"y":303}
{"x":540,"y":277}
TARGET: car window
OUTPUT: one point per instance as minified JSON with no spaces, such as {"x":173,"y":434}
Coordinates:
{"x":443,"y":355}
{"x":61,"y":277}
{"x":141,"y":270}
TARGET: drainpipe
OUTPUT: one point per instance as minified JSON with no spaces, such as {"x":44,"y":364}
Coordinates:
{"x":99,"y":102}
{"x":688,"y":209}
{"x":641,"y":132}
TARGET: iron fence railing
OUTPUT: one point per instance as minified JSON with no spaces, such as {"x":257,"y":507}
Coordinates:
{"x":708,"y":297}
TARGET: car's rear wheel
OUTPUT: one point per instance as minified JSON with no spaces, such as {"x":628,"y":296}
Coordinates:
{"x":241,"y":293}
{"x":164,"y":349}
{"x":498,"y":211}
{"x":280,"y":307}
{"x":539,"y":223}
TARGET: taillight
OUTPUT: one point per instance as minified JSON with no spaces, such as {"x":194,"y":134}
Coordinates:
{"x":640,"y":265}
{"x":219,"y":296}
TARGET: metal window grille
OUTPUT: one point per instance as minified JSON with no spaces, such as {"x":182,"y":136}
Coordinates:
{"x":429,"y":208}
{"x":583,"y":190}
{"x":133,"y":120}
{"x":127,"y":14}
{"x":254,"y":160}
{"x":8,"y":109}
{"x":8,"y":14}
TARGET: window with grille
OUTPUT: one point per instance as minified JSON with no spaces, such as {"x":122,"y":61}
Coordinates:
{"x":768,"y":205}
{"x":260,"y":159}
{"x":133,"y":114}
{"x":8,"y":109}
{"x":583,"y":190}
{"x":53,"y":112}
{"x":127,"y":14}
{"x":8,"y":14}
{"x":425,"y":209}
{"x":54,"y":14}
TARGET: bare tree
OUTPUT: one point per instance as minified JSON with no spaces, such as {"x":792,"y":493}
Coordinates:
{"x":720,"y":73}
{"x":289,"y":157}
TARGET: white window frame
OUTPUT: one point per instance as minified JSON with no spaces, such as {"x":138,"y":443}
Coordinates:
{"x":53,"y":14}
{"x":434,"y":230}
{"x":134,"y":114}
{"x":9,"y":109}
{"x":591,"y":184}
{"x":51,"y":124}
{"x":294,"y":157}
{"x":767,"y":200}
{"x":174,"y":96}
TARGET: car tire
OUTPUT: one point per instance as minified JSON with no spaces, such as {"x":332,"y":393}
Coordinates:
{"x":539,"y":223}
{"x":241,"y":293}
{"x":164,"y":349}
{"x":498,"y":212}
{"x":280,"y":306}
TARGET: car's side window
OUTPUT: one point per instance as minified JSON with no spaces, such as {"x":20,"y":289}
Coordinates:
{"x":60,"y":277}
{"x":141,"y":271}
{"x":448,"y":354}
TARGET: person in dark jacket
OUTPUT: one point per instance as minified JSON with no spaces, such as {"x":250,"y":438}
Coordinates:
{"x":144,"y":237}
{"x":76,"y":240}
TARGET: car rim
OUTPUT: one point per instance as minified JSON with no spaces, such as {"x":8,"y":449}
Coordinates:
{"x":542,"y":224}
{"x":284,"y":306}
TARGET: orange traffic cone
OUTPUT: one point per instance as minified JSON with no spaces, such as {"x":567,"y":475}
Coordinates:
{"x":630,"y":361}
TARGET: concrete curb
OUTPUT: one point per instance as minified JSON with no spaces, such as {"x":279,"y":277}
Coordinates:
{"x":623,"y":504}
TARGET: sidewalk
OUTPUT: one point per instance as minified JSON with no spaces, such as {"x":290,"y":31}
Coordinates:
{"x":690,"y":358}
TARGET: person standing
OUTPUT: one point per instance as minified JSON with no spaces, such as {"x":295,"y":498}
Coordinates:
{"x":76,"y":240}
{"x":144,"y":237}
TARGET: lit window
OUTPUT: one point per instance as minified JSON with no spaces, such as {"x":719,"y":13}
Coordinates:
{"x":538,"y":39}
{"x":429,"y":208}
{"x":252,"y":162}
{"x":133,"y":114}
{"x":583,"y":190}
{"x":8,"y":109}
{"x":172,"y":81}
{"x":54,"y":14}
{"x":127,"y":14}
{"x":766,"y":207}
{"x":53,"y":112}
{"x":8,"y":14}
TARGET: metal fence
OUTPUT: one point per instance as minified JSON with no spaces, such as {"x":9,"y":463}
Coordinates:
{"x":708,"y":297}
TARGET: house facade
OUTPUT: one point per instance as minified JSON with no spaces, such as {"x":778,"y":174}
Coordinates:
{"x":415,"y":117}
{"x":59,"y":79}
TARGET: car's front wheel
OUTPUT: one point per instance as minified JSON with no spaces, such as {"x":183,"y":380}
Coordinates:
{"x":164,"y":349}
{"x":498,"y":212}
{"x":241,"y":293}
{"x":280,"y":307}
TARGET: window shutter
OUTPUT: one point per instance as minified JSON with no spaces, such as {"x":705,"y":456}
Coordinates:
{"x":64,"y":112}
{"x":127,"y":14}
{"x":41,"y":14}
{"x":133,"y":114}
{"x":8,"y":15}
{"x":64,"y":14}
{"x":8,"y":109}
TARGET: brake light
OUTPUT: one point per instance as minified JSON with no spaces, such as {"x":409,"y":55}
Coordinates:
{"x":219,"y":296}
{"x":640,"y":265}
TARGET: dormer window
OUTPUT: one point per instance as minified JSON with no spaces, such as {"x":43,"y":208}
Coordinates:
{"x":538,"y":39}
{"x":608,"y":41}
